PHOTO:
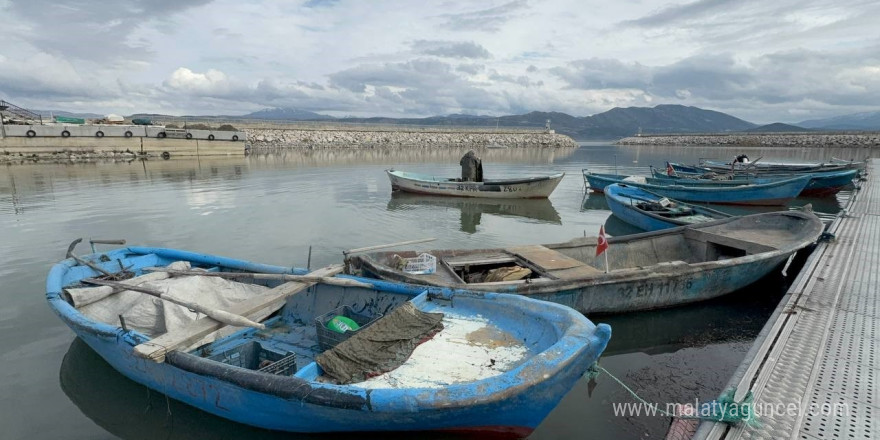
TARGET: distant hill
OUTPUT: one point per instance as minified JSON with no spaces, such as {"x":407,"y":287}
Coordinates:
{"x":615,"y":123}
{"x":286,"y":114}
{"x":628,"y":121}
{"x":854,"y":121}
{"x":777,"y":127}
{"x":50,"y":113}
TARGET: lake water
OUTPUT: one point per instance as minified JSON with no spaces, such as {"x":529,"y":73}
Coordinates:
{"x":272,"y":209}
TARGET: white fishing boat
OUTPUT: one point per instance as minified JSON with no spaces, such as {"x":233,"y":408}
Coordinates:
{"x":525,"y":188}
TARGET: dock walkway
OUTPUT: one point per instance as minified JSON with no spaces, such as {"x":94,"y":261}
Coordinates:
{"x":814,"y":370}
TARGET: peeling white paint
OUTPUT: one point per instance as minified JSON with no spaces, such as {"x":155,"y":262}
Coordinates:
{"x":466,"y":350}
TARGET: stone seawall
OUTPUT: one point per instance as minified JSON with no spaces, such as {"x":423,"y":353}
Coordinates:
{"x":274,"y":138}
{"x":761,"y":140}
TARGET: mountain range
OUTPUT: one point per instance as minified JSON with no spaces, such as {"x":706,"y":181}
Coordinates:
{"x":855,"y":121}
{"x":615,"y":123}
{"x":612,"y":124}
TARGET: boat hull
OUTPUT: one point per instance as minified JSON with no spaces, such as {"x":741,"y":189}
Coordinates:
{"x":511,"y":405}
{"x":536,"y":188}
{"x":620,"y":204}
{"x":641,"y":291}
{"x":768,"y":194}
{"x":515,"y":417}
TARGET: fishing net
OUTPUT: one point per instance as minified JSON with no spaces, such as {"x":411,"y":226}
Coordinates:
{"x":381,"y":347}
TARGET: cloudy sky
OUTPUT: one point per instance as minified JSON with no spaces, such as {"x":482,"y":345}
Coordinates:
{"x":760,"y":60}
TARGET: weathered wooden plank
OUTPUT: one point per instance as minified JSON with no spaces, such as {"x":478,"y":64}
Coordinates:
{"x":494,"y":258}
{"x":576,"y":272}
{"x":274,"y":299}
{"x":754,"y":246}
{"x":545,"y":258}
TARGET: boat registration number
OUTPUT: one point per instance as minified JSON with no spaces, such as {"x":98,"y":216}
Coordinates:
{"x":472,"y":188}
{"x":655,"y":288}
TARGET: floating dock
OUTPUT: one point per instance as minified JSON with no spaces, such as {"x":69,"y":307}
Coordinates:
{"x":814,"y":370}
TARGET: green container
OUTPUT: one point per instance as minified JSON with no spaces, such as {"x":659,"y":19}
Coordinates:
{"x":341,"y":324}
{"x":66,"y":120}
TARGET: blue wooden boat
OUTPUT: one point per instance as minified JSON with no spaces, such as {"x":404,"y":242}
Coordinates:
{"x":824,"y":183}
{"x":271,"y":377}
{"x":651,"y":270}
{"x":651,"y":212}
{"x":765,"y":194}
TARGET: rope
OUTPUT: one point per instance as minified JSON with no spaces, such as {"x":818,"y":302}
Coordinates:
{"x":725,"y":409}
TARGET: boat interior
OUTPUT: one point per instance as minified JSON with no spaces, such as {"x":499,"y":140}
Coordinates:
{"x":576,"y":259}
{"x":297,"y":332}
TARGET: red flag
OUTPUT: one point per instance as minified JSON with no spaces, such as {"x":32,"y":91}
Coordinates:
{"x":603,"y":242}
{"x":669,"y":170}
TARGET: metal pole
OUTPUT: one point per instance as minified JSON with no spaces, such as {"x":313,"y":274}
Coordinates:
{"x":2,"y":127}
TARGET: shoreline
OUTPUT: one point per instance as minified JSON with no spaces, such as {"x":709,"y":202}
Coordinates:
{"x":809,"y":140}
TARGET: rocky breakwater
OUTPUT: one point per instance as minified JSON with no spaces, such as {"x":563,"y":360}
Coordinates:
{"x":761,"y":140}
{"x":274,"y":138}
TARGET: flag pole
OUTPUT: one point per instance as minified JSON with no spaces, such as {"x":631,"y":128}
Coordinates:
{"x":606,"y":259}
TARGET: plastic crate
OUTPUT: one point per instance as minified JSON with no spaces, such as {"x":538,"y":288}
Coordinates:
{"x":421,"y":265}
{"x":285,"y":366}
{"x":327,"y":338}
{"x":252,"y":355}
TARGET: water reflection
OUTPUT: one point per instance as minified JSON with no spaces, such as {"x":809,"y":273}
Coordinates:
{"x":129,"y":410}
{"x":594,"y":201}
{"x":472,"y":209}
{"x":738,"y":316}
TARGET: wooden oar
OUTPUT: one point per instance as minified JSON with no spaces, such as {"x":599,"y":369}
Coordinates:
{"x":79,"y":260}
{"x":263,"y":276}
{"x":752,"y":163}
{"x":216,"y":314}
{"x":382,"y":246}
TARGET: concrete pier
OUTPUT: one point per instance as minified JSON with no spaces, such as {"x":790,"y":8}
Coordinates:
{"x":814,"y":370}
{"x":14,"y":148}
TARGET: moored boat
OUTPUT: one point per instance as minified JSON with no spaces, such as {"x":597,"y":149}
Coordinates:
{"x":473,"y":372}
{"x":822,"y":183}
{"x":778,"y":167}
{"x":651,"y":212}
{"x":524,"y":188}
{"x":764,"y":194}
{"x":650,"y":270}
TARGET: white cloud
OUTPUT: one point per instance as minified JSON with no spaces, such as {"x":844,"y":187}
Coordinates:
{"x":212,"y":82}
{"x":757,"y":60}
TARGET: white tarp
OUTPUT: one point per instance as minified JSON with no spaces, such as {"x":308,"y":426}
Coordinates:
{"x":153,"y":316}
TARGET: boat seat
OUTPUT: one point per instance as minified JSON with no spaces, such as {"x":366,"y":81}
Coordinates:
{"x":751,"y":242}
{"x":576,"y":272}
{"x":545,"y":258}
